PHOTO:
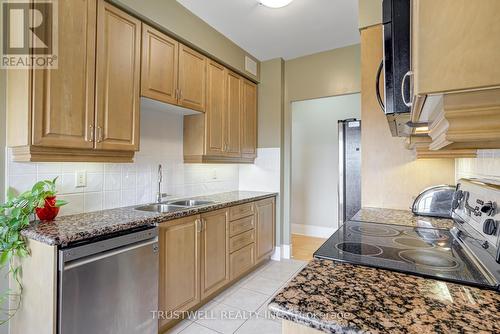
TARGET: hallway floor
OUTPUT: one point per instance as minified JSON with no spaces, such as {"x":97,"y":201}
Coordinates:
{"x":303,"y":247}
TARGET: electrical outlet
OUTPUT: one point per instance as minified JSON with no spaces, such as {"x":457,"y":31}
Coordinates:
{"x":81,"y":179}
{"x":214,"y":174}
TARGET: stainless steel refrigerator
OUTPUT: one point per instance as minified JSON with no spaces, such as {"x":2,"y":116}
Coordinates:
{"x":349,"y":169}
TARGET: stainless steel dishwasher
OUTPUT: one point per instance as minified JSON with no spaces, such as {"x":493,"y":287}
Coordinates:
{"x":109,"y":286}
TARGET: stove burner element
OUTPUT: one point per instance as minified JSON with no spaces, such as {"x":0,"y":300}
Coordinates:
{"x":359,"y":248}
{"x":428,"y":234}
{"x":430,"y":259}
{"x":374,"y":231}
{"x":411,"y":242}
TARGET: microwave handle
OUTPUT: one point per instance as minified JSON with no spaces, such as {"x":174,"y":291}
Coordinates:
{"x":377,"y":86}
{"x":408,"y":74}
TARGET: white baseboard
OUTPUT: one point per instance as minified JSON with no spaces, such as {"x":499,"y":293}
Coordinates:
{"x":277,"y":254}
{"x":313,"y":230}
{"x":286,"y":251}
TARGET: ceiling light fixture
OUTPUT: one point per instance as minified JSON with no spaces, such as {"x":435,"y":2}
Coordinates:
{"x":275,"y":3}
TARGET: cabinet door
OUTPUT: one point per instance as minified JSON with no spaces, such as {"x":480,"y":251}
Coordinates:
{"x":192,"y":78}
{"x":265,"y":221}
{"x":159,"y":65}
{"x":118,"y":79}
{"x":215,"y":252}
{"x":63,"y":98}
{"x":249,"y":120}
{"x":216,"y":106}
{"x":179,"y":242}
{"x":232,"y":119}
{"x":455,"y":45}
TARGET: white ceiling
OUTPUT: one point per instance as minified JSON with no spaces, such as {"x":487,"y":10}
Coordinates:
{"x":304,"y":27}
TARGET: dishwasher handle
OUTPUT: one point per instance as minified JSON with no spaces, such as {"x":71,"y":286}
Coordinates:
{"x":97,"y":257}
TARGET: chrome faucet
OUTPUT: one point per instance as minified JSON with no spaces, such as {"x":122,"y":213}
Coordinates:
{"x":159,"y":194}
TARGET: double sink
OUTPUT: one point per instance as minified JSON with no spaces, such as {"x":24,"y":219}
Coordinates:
{"x":173,"y":206}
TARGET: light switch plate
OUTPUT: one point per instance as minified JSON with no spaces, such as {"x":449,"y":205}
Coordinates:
{"x":81,"y":179}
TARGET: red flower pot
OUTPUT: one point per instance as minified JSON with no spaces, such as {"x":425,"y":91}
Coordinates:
{"x":49,"y":211}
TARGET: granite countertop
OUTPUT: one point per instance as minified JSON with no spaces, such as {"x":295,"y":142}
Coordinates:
{"x":342,"y":298}
{"x":80,"y":227}
{"x":400,"y":217}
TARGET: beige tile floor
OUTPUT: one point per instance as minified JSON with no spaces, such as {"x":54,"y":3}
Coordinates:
{"x":242,"y":309}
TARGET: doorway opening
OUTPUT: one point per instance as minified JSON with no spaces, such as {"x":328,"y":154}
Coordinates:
{"x":320,"y":163}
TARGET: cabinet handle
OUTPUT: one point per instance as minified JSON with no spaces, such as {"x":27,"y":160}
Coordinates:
{"x":198,"y":225}
{"x":180,"y":94}
{"x":203,"y":224}
{"x":92,"y":134}
{"x":99,"y":134}
{"x":377,"y":86}
{"x":408,"y":74}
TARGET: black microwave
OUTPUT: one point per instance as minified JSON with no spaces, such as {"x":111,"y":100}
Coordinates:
{"x":396,"y":19}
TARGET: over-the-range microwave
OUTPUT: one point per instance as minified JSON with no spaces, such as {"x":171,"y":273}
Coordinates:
{"x":396,"y":19}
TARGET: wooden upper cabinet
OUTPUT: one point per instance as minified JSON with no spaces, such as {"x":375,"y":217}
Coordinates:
{"x":63,"y":98}
{"x":159,"y":72}
{"x":265,"y":216}
{"x":216,"y":107}
{"x":249,"y":120}
{"x":118,"y":79}
{"x":215,"y":252}
{"x":192,"y":78}
{"x":179,"y":286}
{"x":227,"y":132}
{"x":455,"y":45}
{"x":232,"y":119}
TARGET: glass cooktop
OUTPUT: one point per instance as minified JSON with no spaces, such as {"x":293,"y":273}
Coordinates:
{"x":422,"y":251}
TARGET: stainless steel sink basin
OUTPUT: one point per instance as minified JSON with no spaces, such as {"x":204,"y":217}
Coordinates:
{"x":190,"y":203}
{"x":173,"y":206}
{"x":160,"y":208}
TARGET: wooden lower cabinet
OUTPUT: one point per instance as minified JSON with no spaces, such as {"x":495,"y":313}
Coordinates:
{"x":215,"y":252}
{"x":265,"y":213}
{"x":201,"y":255}
{"x":242,"y":260}
{"x":179,"y":288}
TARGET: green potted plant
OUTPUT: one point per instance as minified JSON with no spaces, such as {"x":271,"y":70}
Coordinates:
{"x":15,"y":215}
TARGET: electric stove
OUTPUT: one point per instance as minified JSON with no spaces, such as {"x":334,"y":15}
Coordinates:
{"x":466,"y":254}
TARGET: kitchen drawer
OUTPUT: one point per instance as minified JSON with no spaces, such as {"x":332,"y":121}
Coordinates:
{"x":242,"y":260}
{"x":241,"y":225}
{"x":241,"y":211}
{"x":241,"y":240}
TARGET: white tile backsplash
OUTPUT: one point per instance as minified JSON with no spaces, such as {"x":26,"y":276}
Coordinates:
{"x":486,"y":165}
{"x":111,"y":185}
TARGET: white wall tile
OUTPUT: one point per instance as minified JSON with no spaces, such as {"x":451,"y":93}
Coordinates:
{"x":93,"y":201}
{"x":95,"y":182}
{"x":21,"y":183}
{"x":111,"y":185}
{"x":68,"y":184}
{"x":129,"y":180}
{"x":49,"y":168}
{"x":111,"y":200}
{"x":75,"y":204}
{"x":486,"y":165}
{"x":112,"y":181}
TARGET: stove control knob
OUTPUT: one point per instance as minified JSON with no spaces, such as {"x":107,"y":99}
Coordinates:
{"x":488,"y":208}
{"x":490,"y":227}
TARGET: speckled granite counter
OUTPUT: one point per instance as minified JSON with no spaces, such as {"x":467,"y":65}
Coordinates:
{"x":343,"y":298}
{"x":400,"y":217}
{"x":67,"y":229}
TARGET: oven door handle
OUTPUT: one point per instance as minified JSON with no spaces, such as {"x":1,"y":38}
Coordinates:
{"x":94,"y":258}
